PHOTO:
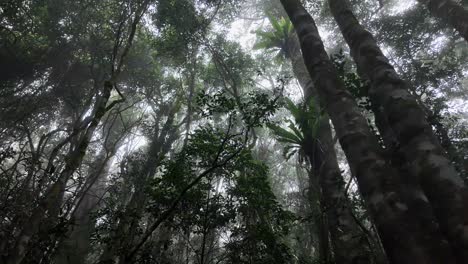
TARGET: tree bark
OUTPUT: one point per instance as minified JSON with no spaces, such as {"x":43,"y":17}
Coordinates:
{"x":404,"y":220}
{"x":451,"y":12}
{"x":124,"y":237}
{"x":349,"y":243}
{"x":49,"y":203}
{"x":422,"y":154}
{"x":74,"y":248}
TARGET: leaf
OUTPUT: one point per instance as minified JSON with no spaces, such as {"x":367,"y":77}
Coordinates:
{"x":296,"y":130}
{"x":295,"y":111}
{"x":283,"y":135}
{"x":275,"y":24}
{"x":289,"y":151}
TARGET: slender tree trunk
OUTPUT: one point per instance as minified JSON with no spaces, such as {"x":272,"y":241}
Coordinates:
{"x":161,"y":244}
{"x":74,"y":248}
{"x":422,"y":154}
{"x":124,"y":237}
{"x":305,"y":234}
{"x":349,"y":242}
{"x":404,"y":220}
{"x":451,"y":12}
{"x":49,"y":202}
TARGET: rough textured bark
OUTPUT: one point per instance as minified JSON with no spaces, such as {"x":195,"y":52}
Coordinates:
{"x":422,"y":154}
{"x":404,"y":220}
{"x":349,"y":243}
{"x":451,"y":12}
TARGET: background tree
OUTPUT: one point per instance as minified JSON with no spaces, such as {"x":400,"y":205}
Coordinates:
{"x":192,"y":132}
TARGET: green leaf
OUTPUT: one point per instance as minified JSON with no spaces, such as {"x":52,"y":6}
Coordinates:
{"x":290,"y":150}
{"x":296,"y":130}
{"x":294,"y":109}
{"x":283,"y":135}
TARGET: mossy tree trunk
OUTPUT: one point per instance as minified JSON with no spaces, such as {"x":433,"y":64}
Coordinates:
{"x":404,"y":219}
{"x":349,"y":242}
{"x":421,"y":154}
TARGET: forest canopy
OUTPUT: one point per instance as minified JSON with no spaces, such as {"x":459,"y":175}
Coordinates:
{"x":233,"y":131}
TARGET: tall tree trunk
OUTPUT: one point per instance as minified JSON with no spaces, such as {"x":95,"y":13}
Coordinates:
{"x":420,"y":150}
{"x":73,"y":249}
{"x":306,"y":233}
{"x":402,"y":215}
{"x":50,"y":202}
{"x":124,"y":236}
{"x":451,"y":12}
{"x":348,"y":240}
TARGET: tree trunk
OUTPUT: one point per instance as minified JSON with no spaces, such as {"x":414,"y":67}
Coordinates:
{"x":306,"y":234}
{"x":48,"y":206}
{"x":404,"y":220}
{"x":349,"y":242}
{"x":422,"y":154}
{"x":74,"y":248}
{"x":126,"y":229}
{"x":451,"y":12}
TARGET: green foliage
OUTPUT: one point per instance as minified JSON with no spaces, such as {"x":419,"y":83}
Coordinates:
{"x":306,"y":123}
{"x":230,"y":68}
{"x":358,"y":87}
{"x":260,"y":238}
{"x":186,"y":139}
{"x":277,"y":39}
{"x":247,"y":202}
{"x":253,"y":109}
{"x":178,"y":32}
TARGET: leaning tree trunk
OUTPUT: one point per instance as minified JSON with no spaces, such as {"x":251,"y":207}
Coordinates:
{"x":349,"y":242}
{"x":74,"y":248}
{"x":403,"y":218}
{"x":125,"y":234}
{"x":423,"y":156}
{"x":49,"y":202}
{"x":451,"y":12}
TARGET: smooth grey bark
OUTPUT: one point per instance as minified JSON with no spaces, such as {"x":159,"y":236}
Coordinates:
{"x":422,"y":155}
{"x":451,"y":12}
{"x":403,"y":217}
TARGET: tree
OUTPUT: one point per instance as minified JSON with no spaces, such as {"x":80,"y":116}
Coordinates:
{"x":198,"y":132}
{"x":317,"y":143}
{"x":377,"y":177}
{"x":423,"y":155}
{"x":452,"y":12}
{"x":74,"y":246}
{"x":51,"y":200}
